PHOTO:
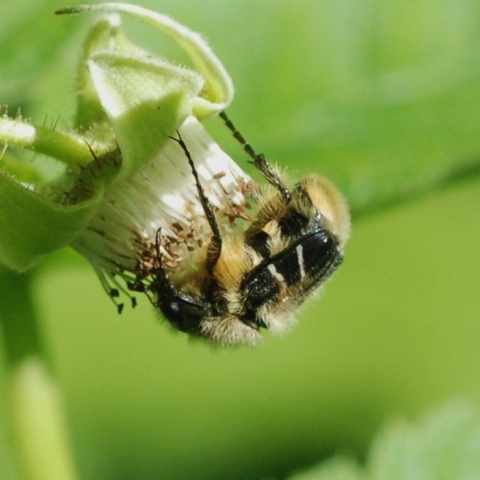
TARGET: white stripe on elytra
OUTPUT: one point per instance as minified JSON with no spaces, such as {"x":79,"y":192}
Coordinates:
{"x":301,"y":263}
{"x":273,"y":271}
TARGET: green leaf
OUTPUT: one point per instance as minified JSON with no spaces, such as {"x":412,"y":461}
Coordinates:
{"x":338,"y":468}
{"x":382,"y":98}
{"x":444,"y":444}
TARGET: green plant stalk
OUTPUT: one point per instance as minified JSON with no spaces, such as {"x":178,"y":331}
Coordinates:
{"x":69,"y":148}
{"x":34,"y":407}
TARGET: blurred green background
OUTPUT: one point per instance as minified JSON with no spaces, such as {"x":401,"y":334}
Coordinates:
{"x":382,"y":96}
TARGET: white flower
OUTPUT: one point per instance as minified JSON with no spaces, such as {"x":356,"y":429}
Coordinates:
{"x":162,"y":195}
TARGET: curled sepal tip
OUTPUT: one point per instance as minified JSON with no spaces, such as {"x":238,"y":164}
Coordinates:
{"x":218,"y":90}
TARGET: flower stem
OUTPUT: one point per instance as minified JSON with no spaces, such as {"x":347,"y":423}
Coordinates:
{"x":69,"y":148}
{"x":34,"y":409}
{"x":20,"y":331}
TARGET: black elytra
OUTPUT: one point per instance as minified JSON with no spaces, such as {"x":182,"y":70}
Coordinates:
{"x":303,"y":265}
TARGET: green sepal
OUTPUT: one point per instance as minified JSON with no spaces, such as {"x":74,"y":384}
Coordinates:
{"x":33,"y":226}
{"x":145,"y":99}
{"x":105,"y":34}
{"x":217,"y":91}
